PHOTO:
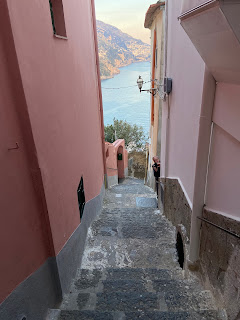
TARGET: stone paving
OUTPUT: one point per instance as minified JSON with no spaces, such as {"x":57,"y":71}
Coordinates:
{"x":130,"y":269}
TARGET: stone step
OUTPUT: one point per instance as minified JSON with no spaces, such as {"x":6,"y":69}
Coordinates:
{"x":168,"y":300}
{"x":141,"y":273}
{"x":127,"y":301}
{"x":146,"y":285}
{"x":130,"y":211}
{"x":144,"y":289}
{"x":154,"y":315}
{"x":91,"y":278}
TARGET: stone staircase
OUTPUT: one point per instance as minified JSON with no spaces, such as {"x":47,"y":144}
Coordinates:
{"x":130,"y":270}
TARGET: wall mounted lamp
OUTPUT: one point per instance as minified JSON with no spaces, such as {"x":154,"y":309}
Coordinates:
{"x":167,"y":86}
{"x":140,"y":82}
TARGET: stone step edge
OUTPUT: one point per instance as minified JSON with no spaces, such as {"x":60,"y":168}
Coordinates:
{"x":220,"y":314}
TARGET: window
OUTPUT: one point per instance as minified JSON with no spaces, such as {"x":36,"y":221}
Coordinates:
{"x":81,"y":197}
{"x":57,"y":16}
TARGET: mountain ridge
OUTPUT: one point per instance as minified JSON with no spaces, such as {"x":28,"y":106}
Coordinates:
{"x":118,"y":49}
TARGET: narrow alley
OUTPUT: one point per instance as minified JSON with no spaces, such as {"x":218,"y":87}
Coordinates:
{"x":130,"y":268}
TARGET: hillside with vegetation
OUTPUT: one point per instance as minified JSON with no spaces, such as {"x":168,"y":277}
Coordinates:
{"x":118,"y":49}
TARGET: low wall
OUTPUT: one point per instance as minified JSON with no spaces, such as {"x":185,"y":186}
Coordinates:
{"x":175,"y":204}
{"x":220,"y":261}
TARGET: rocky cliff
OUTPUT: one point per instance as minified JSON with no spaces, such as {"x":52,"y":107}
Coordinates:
{"x":118,"y":49}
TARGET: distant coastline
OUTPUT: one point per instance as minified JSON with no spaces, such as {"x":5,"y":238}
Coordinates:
{"x":117,"y":49}
{"x":125,"y":65}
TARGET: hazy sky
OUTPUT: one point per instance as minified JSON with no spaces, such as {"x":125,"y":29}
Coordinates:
{"x":127,"y":15}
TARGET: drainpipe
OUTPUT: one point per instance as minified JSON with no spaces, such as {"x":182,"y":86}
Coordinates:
{"x":153,"y":73}
{"x":99,"y":90}
{"x":167,"y":102}
{"x":202,"y":161}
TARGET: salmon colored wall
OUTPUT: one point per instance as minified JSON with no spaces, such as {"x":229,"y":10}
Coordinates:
{"x":60,"y":84}
{"x":120,"y":148}
{"x":125,"y":159}
{"x":58,"y":98}
{"x":114,"y":166}
{"x":111,"y":160}
{"x":24,"y":241}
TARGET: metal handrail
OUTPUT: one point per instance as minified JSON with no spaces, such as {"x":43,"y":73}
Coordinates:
{"x":218,"y":227}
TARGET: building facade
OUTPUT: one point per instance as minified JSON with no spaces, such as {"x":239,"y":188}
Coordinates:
{"x":155,"y":22}
{"x":200,"y":142}
{"x":52,"y":149}
{"x":116,"y":162}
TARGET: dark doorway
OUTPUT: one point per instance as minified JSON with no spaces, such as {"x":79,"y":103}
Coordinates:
{"x":81,"y":197}
{"x":180,"y":250}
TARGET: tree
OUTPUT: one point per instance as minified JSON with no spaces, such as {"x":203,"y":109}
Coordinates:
{"x":123,"y":130}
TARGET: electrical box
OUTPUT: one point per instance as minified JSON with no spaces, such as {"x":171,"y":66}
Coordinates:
{"x":167,"y":85}
{"x":119,"y":156}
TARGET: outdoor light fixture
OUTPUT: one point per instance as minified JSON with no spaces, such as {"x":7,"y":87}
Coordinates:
{"x":167,"y":86}
{"x":140,"y":82}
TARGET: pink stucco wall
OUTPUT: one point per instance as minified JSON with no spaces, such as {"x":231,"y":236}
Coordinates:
{"x":59,"y":79}
{"x":224,"y":173}
{"x":125,"y":159}
{"x":21,"y":215}
{"x":227,"y":108}
{"x":111,"y":160}
{"x":114,"y":166}
{"x":49,"y":104}
{"x":186,"y":68}
{"x":121,"y":164}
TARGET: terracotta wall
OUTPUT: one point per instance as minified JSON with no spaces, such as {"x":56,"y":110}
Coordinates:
{"x":121,"y":164}
{"x":111,"y":160}
{"x":23,"y":234}
{"x":56,"y":87}
{"x":116,"y":167}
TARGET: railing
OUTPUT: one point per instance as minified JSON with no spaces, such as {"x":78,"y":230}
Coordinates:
{"x":218,"y":227}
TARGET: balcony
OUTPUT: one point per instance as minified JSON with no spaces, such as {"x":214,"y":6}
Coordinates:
{"x":214,"y":29}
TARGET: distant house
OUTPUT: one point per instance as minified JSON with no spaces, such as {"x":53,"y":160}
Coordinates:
{"x":116,"y":162}
{"x":200,"y":137}
{"x":52,"y":149}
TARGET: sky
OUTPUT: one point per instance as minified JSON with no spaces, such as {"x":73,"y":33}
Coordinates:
{"x":126,"y":15}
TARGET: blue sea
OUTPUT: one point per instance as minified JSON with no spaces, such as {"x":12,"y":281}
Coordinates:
{"x":127,"y":103}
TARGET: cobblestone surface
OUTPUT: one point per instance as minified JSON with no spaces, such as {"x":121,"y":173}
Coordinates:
{"x":129,"y":270}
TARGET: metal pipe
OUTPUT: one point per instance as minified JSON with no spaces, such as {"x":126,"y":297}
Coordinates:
{"x":168,"y":104}
{"x":218,"y":227}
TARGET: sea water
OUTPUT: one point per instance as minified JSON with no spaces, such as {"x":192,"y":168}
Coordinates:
{"x":122,"y":99}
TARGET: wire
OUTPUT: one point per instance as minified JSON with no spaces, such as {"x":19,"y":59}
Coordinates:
{"x":123,"y":87}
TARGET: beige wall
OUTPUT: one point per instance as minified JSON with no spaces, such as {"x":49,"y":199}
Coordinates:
{"x":154,"y":147}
